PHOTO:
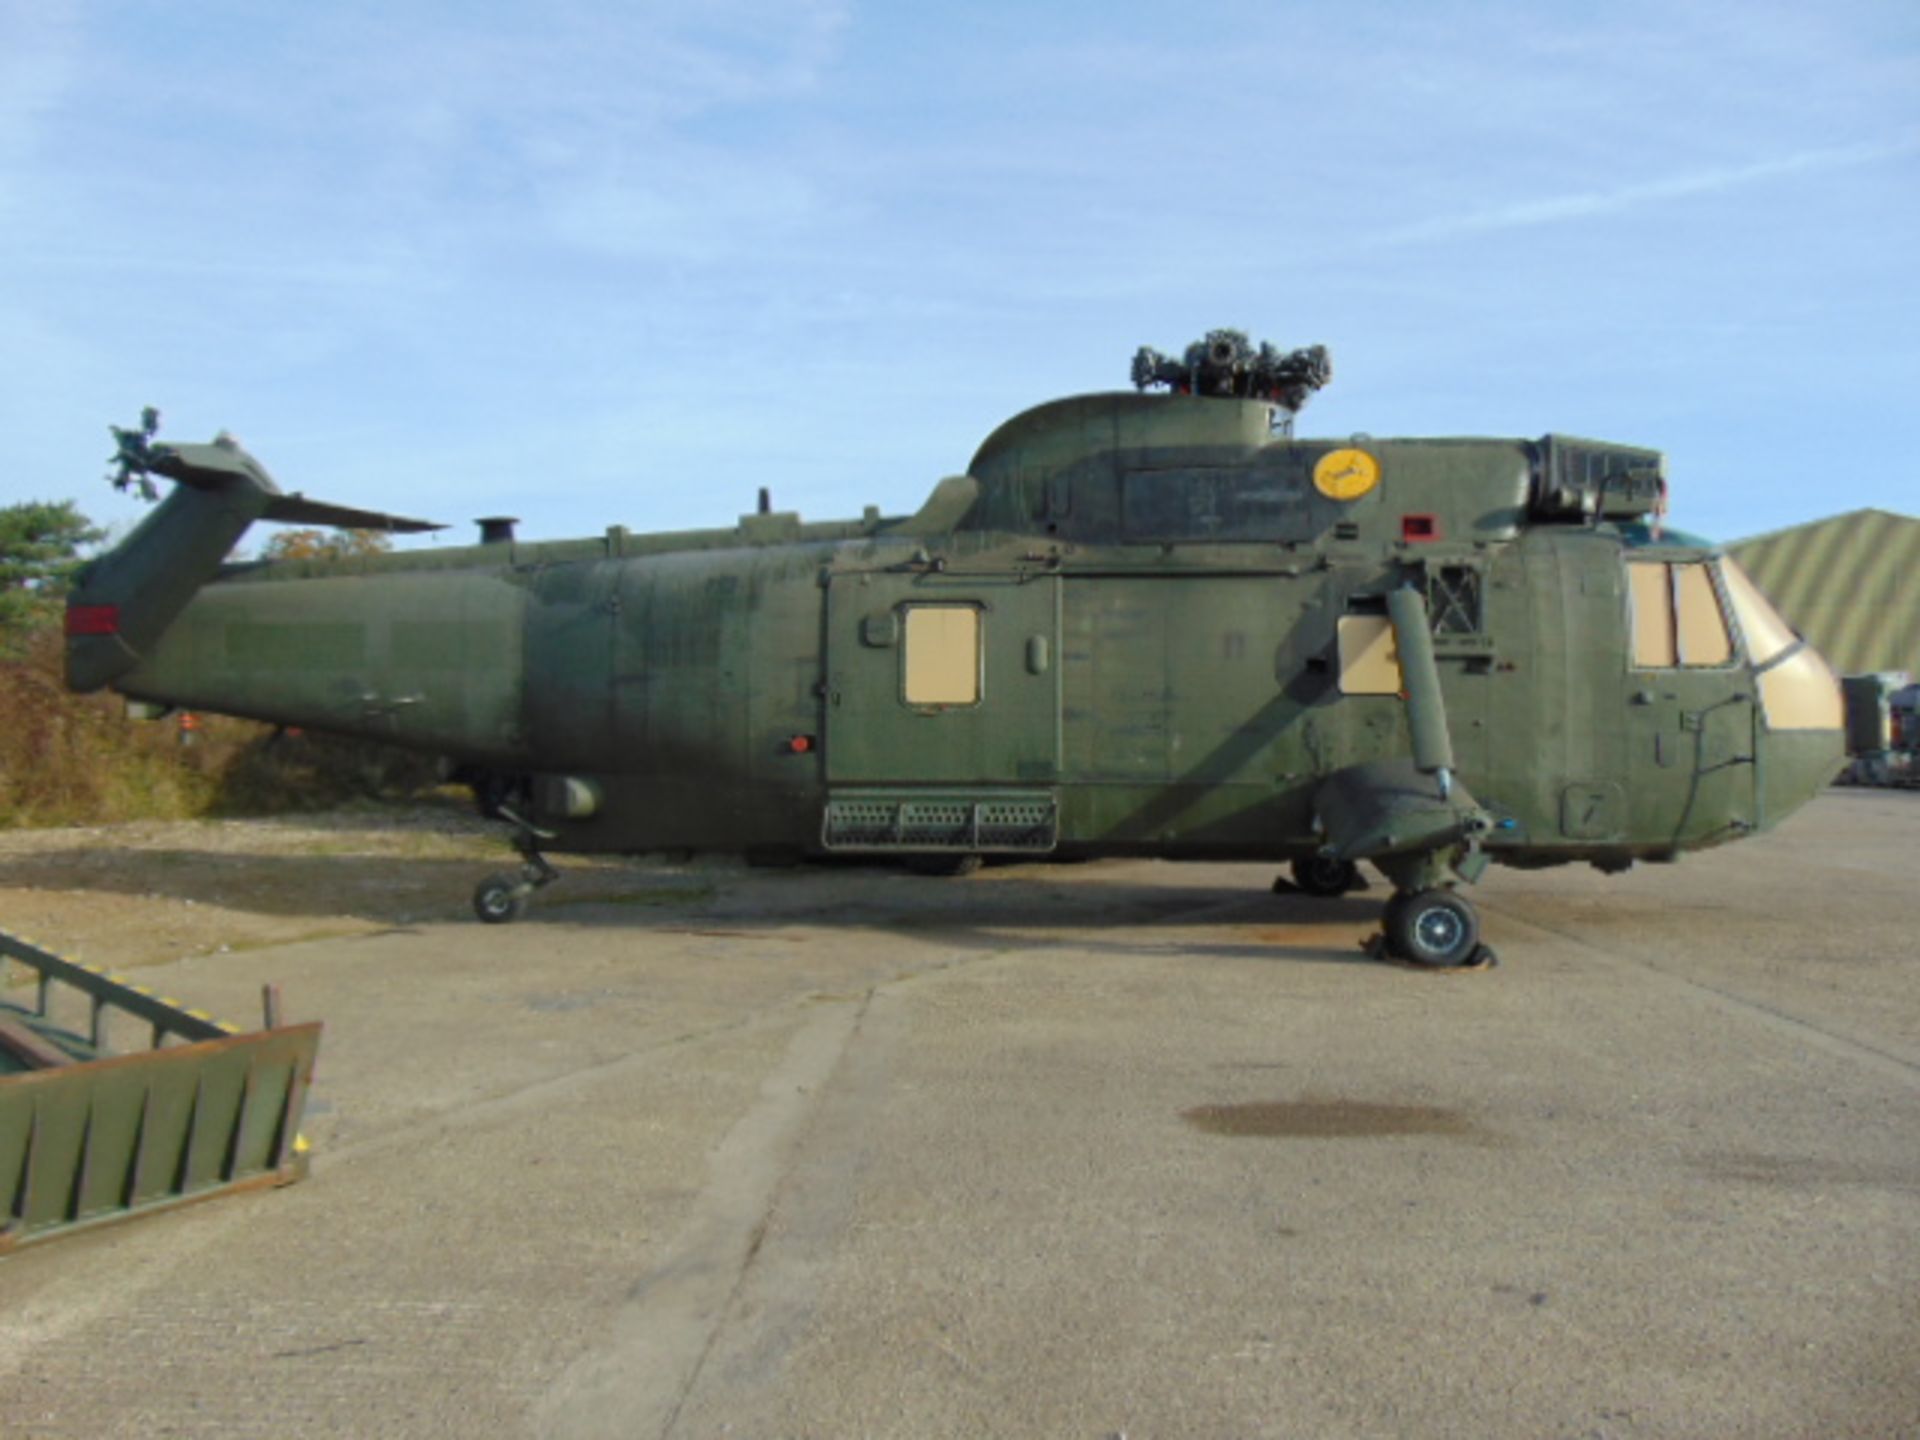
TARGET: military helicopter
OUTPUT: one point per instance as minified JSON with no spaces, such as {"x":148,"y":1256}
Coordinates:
{"x":1144,"y":623}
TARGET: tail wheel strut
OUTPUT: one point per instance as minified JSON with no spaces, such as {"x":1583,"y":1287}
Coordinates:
{"x":501,"y":898}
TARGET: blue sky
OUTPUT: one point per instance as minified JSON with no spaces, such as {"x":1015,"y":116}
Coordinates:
{"x":598,"y":263}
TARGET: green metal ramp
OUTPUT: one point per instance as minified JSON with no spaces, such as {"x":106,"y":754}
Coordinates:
{"x":87,"y":1136}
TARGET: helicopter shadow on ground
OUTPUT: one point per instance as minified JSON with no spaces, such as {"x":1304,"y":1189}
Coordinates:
{"x":1034,"y":907}
{"x":381,"y":888}
{"x":993,"y":911}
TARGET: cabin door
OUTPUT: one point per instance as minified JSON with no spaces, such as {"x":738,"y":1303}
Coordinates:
{"x":943,"y":679}
{"x":1690,"y":707}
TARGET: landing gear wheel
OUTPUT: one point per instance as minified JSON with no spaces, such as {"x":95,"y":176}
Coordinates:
{"x":951,"y":866}
{"x":1326,"y":877}
{"x":1432,"y":927}
{"x":1390,"y":913}
{"x":499,"y":899}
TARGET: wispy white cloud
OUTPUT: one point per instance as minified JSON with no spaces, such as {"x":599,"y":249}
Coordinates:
{"x":38,"y":40}
{"x":1584,"y":205}
{"x":689,"y":207}
{"x":385,"y":220}
{"x":339,"y":170}
{"x":371,"y":270}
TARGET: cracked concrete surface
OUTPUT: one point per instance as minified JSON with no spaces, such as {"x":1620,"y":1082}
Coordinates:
{"x":634,"y":1381}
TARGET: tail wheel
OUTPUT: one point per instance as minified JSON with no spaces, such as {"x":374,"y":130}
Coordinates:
{"x":1432,"y":927}
{"x":500,"y":899}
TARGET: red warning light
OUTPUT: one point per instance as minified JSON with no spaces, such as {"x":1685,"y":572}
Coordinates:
{"x":93,"y":620}
{"x":800,"y":744}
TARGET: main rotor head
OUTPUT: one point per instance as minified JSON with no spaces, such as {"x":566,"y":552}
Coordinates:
{"x":1226,"y":363}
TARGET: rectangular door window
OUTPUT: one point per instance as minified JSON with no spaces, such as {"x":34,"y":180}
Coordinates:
{"x":1369,"y":660}
{"x":942,"y":655}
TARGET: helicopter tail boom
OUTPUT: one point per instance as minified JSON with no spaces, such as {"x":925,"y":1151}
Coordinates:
{"x":126,"y":599}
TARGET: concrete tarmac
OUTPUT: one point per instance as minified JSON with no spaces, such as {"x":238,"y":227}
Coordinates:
{"x":1123,"y":1149}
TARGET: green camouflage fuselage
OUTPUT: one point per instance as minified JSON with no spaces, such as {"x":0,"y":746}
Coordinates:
{"x":1140,"y":611}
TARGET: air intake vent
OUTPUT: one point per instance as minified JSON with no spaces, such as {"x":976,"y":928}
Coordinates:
{"x":1002,"y":822}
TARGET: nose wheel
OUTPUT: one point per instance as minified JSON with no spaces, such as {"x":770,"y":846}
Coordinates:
{"x":1435,"y":927}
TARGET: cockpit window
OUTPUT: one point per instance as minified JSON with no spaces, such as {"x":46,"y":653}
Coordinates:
{"x":1702,"y":627}
{"x":1766,"y":633}
{"x":1654,"y":647}
{"x":1798,"y":691}
{"x":1677,"y":619}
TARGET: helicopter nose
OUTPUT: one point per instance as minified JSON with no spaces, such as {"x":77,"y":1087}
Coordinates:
{"x":1800,"y":732}
{"x":1798,"y":765}
{"x":1803,"y":742}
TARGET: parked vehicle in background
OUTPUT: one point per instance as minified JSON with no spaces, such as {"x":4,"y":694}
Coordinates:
{"x":1883,"y":729}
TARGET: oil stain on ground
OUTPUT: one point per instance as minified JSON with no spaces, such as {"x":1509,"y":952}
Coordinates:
{"x":1309,"y":1119}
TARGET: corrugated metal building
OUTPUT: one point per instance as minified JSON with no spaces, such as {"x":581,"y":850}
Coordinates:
{"x":1850,"y":584}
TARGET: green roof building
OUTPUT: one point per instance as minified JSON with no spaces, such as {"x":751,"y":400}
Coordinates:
{"x":1850,"y":584}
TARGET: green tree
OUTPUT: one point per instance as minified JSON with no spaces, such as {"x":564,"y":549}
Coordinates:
{"x":325,"y":545}
{"x":40,"y":545}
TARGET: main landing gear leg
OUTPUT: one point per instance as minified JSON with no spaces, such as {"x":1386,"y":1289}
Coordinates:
{"x":502,"y":897}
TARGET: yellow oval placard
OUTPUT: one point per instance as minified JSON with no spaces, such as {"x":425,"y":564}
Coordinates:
{"x":1346,"y":474}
